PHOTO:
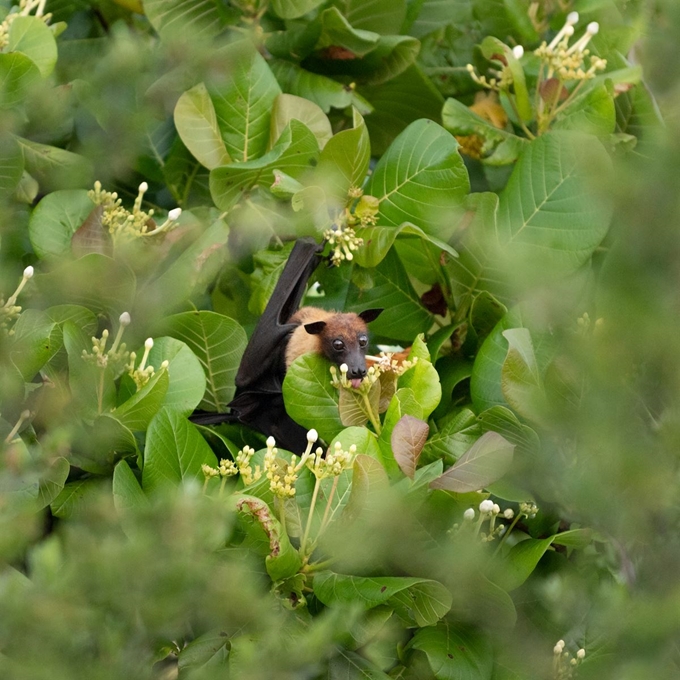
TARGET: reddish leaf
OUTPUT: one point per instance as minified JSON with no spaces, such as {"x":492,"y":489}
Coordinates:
{"x":408,"y":438}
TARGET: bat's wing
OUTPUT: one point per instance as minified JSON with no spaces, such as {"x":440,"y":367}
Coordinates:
{"x":263,"y":363}
{"x":258,"y":401}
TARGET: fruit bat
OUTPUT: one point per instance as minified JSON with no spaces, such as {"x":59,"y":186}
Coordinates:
{"x":283,"y":333}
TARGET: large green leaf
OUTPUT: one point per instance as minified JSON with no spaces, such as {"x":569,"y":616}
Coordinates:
{"x":344,"y":161}
{"x":127,"y":492}
{"x":294,"y":153}
{"x":175,"y":452}
{"x":310,"y":398}
{"x":196,"y":123}
{"x":292,"y":9}
{"x":17,"y":74}
{"x":382,"y":16}
{"x":421,"y":179}
{"x":404,"y":317}
{"x":351,"y":666}
{"x":31,"y":36}
{"x":289,"y":107}
{"x":185,"y":20}
{"x":76,"y":498}
{"x":243,"y":103}
{"x":218,"y":342}
{"x":549,"y":221}
{"x":36,"y":339}
{"x":11,"y":164}
{"x":487,"y":460}
{"x":422,"y":601}
{"x":55,"y":168}
{"x":327,"y":93}
{"x":456,"y":652}
{"x":137,"y":411}
{"x":56,"y":218}
{"x":592,"y":111}
{"x":336,"y":31}
{"x":434,"y":14}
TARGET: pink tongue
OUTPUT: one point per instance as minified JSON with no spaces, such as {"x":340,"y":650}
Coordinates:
{"x":356,"y":383}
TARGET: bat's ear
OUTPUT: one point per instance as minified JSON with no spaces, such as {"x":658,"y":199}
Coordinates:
{"x":369,"y":315}
{"x":315,"y":327}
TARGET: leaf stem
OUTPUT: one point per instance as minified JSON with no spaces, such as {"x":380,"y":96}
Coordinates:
{"x":326,"y":520}
{"x":371,"y":416}
{"x":312,"y":505}
{"x":100,"y":391}
{"x":506,"y":534}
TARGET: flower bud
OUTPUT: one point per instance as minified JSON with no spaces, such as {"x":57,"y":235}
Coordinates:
{"x":509,"y":513}
{"x":312,"y":436}
{"x":344,"y":368}
{"x":572,"y":18}
{"x":28,"y":272}
{"x":593,"y":28}
{"x":174,"y":214}
{"x":496,"y":508}
{"x":581,"y":654}
{"x":469,"y":514}
{"x":568,"y":31}
{"x":148,"y":343}
{"x":518,"y":51}
{"x":143,"y":187}
{"x":124,"y":319}
{"x":271,"y":442}
{"x":486,"y":506}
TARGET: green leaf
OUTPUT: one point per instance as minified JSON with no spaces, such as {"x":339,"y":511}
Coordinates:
{"x":421,"y":179}
{"x":309,"y":396}
{"x":500,"y":146}
{"x":283,"y":560}
{"x":127,"y":493}
{"x":453,"y":439}
{"x":404,"y":317}
{"x":435,"y":14}
{"x":336,"y":31}
{"x":592,"y":112}
{"x":31,"y":36}
{"x":185,"y":20}
{"x":35,"y":341}
{"x":55,"y":168}
{"x":244,"y":102}
{"x":343,"y":163}
{"x":97,"y":447}
{"x":289,"y":107}
{"x":208,"y":650}
{"x":351,"y":666}
{"x":408,"y":438}
{"x":423,"y":380}
{"x":426,"y":601}
{"x":521,"y":380}
{"x":397,"y":103}
{"x":455,"y":652}
{"x":94,"y":281}
{"x":193,"y":271}
{"x":187,"y":382}
{"x":378,"y":241}
{"x":218,"y":342}
{"x":11,"y":164}
{"x":327,"y":93}
{"x":17,"y":74}
{"x":292,"y":9}
{"x":294,"y":153}
{"x":268,"y":267}
{"x":175,"y":452}
{"x":136,"y":413}
{"x":76,"y":498}
{"x":393,"y":55}
{"x":487,"y":460}
{"x":352,"y":405}
{"x":403,"y":403}
{"x":548,"y":220}
{"x":196,"y":123}
{"x":55,"y":219}
{"x":382,"y":16}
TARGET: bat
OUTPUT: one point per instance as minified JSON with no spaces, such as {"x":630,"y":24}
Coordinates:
{"x":283,"y":333}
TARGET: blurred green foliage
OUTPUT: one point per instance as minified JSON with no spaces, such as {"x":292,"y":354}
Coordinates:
{"x":512,"y":484}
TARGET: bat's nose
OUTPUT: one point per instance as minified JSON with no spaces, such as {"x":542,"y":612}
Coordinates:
{"x":358,"y":372}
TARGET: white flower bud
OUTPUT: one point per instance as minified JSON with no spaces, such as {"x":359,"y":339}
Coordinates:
{"x":568,"y":31}
{"x":469,"y":514}
{"x":593,"y":28}
{"x":509,"y":513}
{"x":124,"y":319}
{"x":486,"y":506}
{"x":496,"y":508}
{"x":581,"y":654}
{"x":312,"y":436}
{"x":271,"y":442}
{"x":518,"y":51}
{"x":174,"y":214}
{"x":559,"y":647}
{"x":344,"y":368}
{"x":353,"y":449}
{"x":143,"y":187}
{"x":338,"y":446}
{"x":572,"y":18}
{"x":28,"y":272}
{"x":165,"y":364}
{"x":148,"y":343}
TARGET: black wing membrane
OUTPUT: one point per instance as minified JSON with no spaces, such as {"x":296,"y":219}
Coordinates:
{"x":258,"y":401}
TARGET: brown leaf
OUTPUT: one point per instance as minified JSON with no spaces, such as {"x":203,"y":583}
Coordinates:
{"x":548,"y":91}
{"x":433,"y":300}
{"x":92,"y":236}
{"x":408,"y":438}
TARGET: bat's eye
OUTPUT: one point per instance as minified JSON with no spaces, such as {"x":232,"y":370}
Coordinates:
{"x":338,"y":345}
{"x":363,"y":341}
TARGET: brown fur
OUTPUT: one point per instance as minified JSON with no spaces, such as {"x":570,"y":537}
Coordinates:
{"x":346,"y":326}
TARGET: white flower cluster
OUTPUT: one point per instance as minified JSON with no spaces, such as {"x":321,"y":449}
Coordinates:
{"x":10,"y":310}
{"x":564,"y":665}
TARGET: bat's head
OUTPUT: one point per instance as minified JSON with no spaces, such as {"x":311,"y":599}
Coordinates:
{"x":344,"y":339}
